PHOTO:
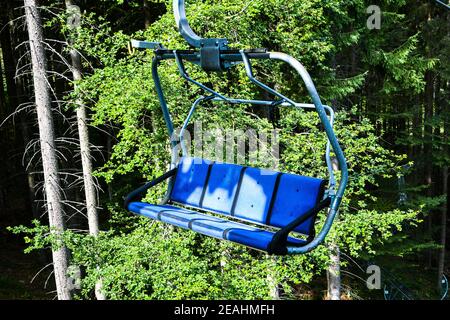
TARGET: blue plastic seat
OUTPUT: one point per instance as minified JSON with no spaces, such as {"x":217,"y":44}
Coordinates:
{"x":261,"y":197}
{"x":209,"y":225}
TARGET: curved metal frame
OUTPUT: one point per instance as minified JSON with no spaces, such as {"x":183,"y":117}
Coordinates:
{"x":232,"y":57}
{"x":188,"y":34}
{"x":179,"y":10}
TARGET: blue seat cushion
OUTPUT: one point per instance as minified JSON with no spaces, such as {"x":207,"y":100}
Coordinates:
{"x":251,"y":194}
{"x":221,"y":187}
{"x":296,"y":195}
{"x":209,"y":225}
{"x":190,"y":181}
{"x":255,"y":194}
{"x":149,"y":211}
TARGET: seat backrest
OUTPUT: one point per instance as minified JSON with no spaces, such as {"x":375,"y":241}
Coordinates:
{"x":256,"y":195}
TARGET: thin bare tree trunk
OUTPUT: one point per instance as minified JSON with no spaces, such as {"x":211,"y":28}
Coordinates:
{"x":2,"y":90}
{"x":89,"y":185}
{"x":334,"y":273}
{"x":428,"y":151}
{"x":334,"y":269}
{"x":19,"y":88}
{"x":83,"y":133}
{"x":47,"y":144}
{"x":274,"y":292}
{"x":108,"y":156}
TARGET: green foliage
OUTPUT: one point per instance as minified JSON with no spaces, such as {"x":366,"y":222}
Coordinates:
{"x":149,"y":260}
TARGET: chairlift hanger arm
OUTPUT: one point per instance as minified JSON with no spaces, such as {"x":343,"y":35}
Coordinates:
{"x":183,"y":26}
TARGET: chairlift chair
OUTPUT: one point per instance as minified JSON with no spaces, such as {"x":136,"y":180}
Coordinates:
{"x":254,"y":207}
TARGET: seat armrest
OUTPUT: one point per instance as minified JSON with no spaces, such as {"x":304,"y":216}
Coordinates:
{"x":137,"y":194}
{"x":278,"y":245}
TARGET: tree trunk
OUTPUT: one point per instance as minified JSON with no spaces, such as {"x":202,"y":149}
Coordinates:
{"x":443,"y":235}
{"x":47,"y":144}
{"x":108,"y":156}
{"x":83,"y":133}
{"x":147,"y":14}
{"x":417,"y":128}
{"x":428,"y":151}
{"x":9,"y":65}
{"x":2,"y":92}
{"x":274,"y":290}
{"x":334,"y":269}
{"x":19,"y":88}
{"x":334,"y":273}
{"x":446,"y":192}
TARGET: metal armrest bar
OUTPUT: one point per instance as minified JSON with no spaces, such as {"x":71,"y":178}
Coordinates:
{"x":278,"y":245}
{"x":138,"y":193}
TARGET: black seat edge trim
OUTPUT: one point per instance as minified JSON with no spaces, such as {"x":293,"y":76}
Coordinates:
{"x":312,"y":230}
{"x":168,"y":197}
{"x":274,"y":196}
{"x":238,"y":189}
{"x":205,"y":185}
